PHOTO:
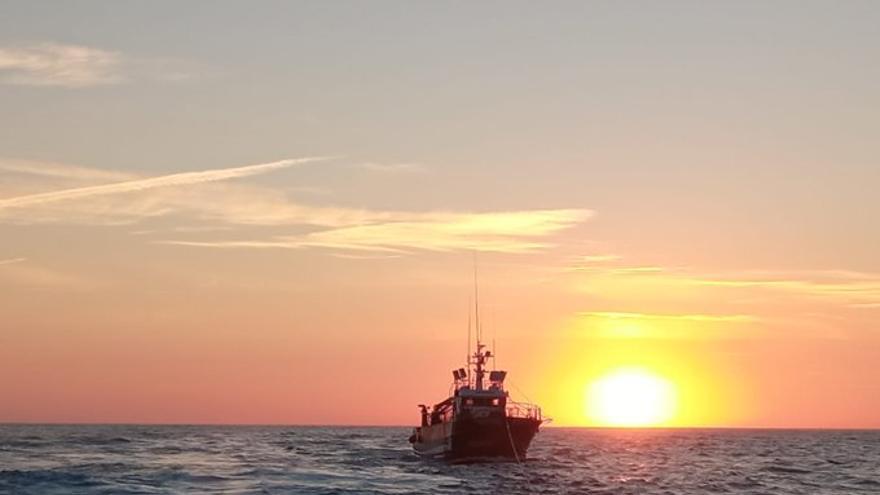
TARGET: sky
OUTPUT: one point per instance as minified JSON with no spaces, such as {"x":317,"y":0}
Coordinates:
{"x":227,"y":212}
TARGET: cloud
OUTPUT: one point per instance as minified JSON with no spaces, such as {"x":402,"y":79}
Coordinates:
{"x":77,"y":66}
{"x":875,"y":305}
{"x":392,"y":168}
{"x":637,"y":325}
{"x":15,"y":275}
{"x":223,"y":204}
{"x":365,"y":256}
{"x":509,"y":232}
{"x":178,"y":179}
{"x":830,"y":283}
{"x":598,"y":258}
{"x":502,"y":232}
{"x":767,"y":288}
{"x":53,"y":64}
{"x":217,"y":201}
{"x":61,"y":170}
{"x":669,"y":317}
{"x":251,"y":205}
{"x":640,"y":269}
{"x":280,"y":243}
{"x":605,"y":264}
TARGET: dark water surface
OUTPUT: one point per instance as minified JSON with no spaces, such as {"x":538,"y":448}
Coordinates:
{"x":240,"y":459}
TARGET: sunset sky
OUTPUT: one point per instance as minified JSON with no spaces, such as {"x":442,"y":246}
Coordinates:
{"x":236,"y":212}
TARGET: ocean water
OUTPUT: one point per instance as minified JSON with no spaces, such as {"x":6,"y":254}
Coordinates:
{"x":38,"y":459}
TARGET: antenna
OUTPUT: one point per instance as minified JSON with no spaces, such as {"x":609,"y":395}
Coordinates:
{"x":479,"y":356}
{"x":494,"y":334}
{"x":477,"y":302}
{"x":467,"y":361}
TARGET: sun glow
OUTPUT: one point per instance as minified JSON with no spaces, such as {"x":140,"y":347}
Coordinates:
{"x":631,"y":397}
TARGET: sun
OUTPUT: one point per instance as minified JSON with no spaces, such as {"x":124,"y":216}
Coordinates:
{"x":631,"y":397}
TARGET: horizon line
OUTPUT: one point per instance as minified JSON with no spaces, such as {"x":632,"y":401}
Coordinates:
{"x":350,"y":425}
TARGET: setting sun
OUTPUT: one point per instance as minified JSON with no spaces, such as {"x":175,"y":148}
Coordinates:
{"x":631,"y":397}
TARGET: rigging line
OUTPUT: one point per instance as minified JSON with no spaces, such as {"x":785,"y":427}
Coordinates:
{"x":526,"y":397}
{"x":519,"y":463}
{"x":510,"y":437}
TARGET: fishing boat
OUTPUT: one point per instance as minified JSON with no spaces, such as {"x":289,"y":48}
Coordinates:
{"x":478,"y":422}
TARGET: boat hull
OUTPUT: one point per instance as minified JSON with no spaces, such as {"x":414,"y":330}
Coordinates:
{"x":468,"y":439}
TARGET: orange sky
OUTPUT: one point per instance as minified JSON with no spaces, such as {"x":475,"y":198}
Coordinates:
{"x":313,"y":340}
{"x":241,"y":221}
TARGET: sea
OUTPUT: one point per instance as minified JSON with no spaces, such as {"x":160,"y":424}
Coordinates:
{"x":123,"y":459}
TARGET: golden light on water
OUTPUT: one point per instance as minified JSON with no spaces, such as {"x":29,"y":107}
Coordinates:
{"x":631,"y":397}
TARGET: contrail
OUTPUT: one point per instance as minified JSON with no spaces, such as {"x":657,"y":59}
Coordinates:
{"x":178,"y":179}
{"x":11,"y":261}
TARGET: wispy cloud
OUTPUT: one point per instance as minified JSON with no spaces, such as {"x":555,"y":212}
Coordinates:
{"x":688,"y":326}
{"x":392,"y":168}
{"x":598,"y":258}
{"x":609,"y":264}
{"x":223,"y":202}
{"x":786,"y":294}
{"x":77,"y":66}
{"x":16,"y":274}
{"x":53,"y":64}
{"x":222,"y":205}
{"x":61,"y":170}
{"x":861,"y":287}
{"x":515,"y":232}
{"x":614,"y":315}
{"x":875,"y":305}
{"x":278,"y":243}
{"x":178,"y":179}
{"x":640,"y":269}
{"x":510,"y":232}
{"x":349,"y":256}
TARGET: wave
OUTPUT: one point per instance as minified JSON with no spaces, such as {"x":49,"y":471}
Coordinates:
{"x":149,"y":459}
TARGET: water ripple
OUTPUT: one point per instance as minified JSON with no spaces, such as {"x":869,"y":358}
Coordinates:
{"x":304,"y":460}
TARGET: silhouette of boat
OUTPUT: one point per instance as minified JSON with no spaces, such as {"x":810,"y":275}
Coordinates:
{"x":478,"y":422}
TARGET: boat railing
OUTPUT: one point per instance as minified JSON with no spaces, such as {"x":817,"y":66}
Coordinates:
{"x":523,"y":410}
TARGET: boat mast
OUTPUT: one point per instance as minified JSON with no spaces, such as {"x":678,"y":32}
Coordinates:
{"x":477,"y":300}
{"x":479,"y":357}
{"x":467,"y":357}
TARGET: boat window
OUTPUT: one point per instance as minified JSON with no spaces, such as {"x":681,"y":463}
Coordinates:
{"x":483,"y":402}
